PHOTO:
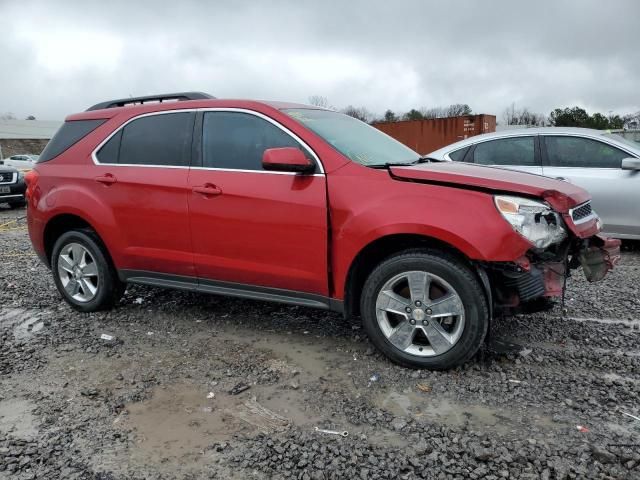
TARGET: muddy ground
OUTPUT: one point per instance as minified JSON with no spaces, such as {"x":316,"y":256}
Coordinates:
{"x":153,"y":401}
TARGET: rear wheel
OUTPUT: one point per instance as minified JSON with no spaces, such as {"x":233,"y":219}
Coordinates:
{"x":83,"y":272}
{"x":424,"y":309}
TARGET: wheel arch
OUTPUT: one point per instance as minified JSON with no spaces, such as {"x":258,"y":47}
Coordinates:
{"x":383,"y":247}
{"x":61,"y":223}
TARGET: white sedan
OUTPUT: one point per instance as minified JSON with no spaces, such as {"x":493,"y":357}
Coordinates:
{"x":21,"y":162}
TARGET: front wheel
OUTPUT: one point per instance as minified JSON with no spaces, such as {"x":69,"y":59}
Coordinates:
{"x":424,"y":309}
{"x":83,"y":272}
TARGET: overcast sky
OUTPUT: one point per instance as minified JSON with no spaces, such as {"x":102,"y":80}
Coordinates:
{"x":61,"y":57}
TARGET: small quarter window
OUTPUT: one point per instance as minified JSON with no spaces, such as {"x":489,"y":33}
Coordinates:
{"x":458,"y":155}
{"x":110,"y":150}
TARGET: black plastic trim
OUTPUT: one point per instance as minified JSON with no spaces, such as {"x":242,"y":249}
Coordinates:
{"x":179,"y":96}
{"x":231,"y":289}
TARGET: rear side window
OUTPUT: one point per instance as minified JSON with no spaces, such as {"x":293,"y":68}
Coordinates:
{"x":582,"y":153}
{"x":111,"y":150}
{"x":160,"y":140}
{"x":506,"y":151}
{"x":458,"y":155}
{"x":237,"y":140}
{"x":69,"y":134}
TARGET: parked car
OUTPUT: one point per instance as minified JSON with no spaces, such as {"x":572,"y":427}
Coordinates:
{"x":605,"y":164}
{"x":306,"y":206}
{"x":21,"y":162}
{"x":12,"y":187}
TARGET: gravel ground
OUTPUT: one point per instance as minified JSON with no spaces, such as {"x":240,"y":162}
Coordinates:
{"x":155,"y":400}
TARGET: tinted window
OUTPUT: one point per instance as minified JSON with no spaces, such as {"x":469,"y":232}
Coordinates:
{"x":238,"y":140}
{"x":458,"y":155}
{"x":506,"y":151}
{"x":69,"y":134}
{"x":157,"y":140}
{"x":582,"y":152}
{"x":110,"y":150}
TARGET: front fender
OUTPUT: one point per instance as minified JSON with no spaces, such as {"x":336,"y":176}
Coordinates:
{"x":467,"y":220}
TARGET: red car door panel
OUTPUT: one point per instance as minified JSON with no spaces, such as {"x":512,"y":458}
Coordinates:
{"x":263,"y":229}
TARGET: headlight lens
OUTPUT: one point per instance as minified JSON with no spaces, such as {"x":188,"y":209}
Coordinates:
{"x":535,"y":221}
{"x":20,"y":175}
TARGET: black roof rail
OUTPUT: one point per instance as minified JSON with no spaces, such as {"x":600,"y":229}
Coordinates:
{"x":179,"y":96}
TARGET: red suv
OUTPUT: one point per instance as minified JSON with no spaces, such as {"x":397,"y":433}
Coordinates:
{"x":302,"y":205}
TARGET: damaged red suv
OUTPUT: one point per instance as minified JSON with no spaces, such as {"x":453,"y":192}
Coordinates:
{"x":306,"y":206}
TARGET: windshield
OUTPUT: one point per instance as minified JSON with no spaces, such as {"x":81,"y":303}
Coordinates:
{"x":355,"y":139}
{"x":619,"y":138}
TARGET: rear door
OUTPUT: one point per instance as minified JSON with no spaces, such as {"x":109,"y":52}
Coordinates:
{"x":596,"y":167}
{"x":256,"y":227}
{"x":142,"y":173}
{"x":515,"y":153}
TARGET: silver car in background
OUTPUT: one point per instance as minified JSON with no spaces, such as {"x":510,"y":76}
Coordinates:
{"x":605,"y":164}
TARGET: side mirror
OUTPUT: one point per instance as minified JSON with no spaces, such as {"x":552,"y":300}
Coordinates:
{"x":286,"y":159}
{"x":631,"y":164}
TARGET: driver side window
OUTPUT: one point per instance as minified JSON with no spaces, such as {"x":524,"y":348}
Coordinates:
{"x":236,"y":140}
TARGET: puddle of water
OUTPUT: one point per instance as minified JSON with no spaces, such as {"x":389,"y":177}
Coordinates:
{"x":25,"y":323}
{"x":444,"y":411}
{"x":180,"y":422}
{"x":176,"y":422}
{"x":16,"y":418}
{"x":606,"y":321}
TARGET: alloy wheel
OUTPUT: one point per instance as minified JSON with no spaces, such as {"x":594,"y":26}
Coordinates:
{"x":420,"y":313}
{"x":78,"y":272}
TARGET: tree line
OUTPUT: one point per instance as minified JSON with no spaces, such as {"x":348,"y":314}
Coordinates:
{"x":559,"y":117}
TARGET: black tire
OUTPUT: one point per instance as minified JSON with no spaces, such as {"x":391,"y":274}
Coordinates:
{"x":110,"y":288}
{"x":19,"y":204}
{"x":465,"y":284}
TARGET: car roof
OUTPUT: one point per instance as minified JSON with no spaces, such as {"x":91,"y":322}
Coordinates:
{"x":135,"y":109}
{"x":518,"y":132}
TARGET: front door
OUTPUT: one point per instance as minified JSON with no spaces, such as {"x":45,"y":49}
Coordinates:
{"x":254,"y":227}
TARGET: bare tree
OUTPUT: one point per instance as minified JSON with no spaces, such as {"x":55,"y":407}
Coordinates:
{"x":319,"y":101}
{"x":453,"y":110}
{"x":632,"y":121}
{"x":7,"y":116}
{"x":360,"y":113}
{"x":514,"y":116}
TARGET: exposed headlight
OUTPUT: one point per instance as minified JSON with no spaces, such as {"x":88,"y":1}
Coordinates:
{"x":20,"y":175}
{"x":535,"y":221}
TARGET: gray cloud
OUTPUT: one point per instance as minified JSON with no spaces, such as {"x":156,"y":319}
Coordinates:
{"x":60,"y":57}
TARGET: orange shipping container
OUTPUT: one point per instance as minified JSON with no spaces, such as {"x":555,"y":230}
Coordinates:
{"x":425,"y":136}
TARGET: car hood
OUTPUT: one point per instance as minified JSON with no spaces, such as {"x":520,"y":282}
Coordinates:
{"x":561,"y":195}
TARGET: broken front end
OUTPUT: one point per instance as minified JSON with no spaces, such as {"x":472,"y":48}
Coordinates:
{"x":561,"y":242}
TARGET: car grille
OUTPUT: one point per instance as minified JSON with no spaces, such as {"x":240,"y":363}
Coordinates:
{"x":581,"y":212}
{"x":6,"y":177}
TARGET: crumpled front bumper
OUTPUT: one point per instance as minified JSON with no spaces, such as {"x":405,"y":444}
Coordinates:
{"x":599,"y":256}
{"x":528,"y":279}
